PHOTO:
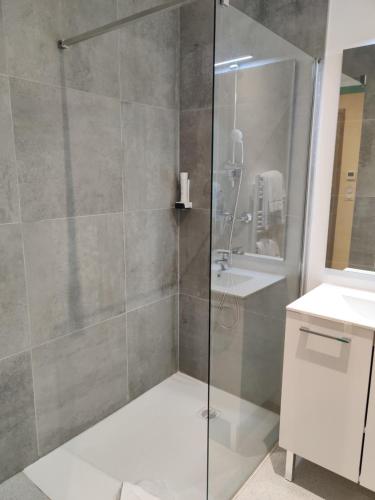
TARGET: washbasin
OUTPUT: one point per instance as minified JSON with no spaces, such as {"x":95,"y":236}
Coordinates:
{"x":362,"y":307}
{"x":229,"y":279}
{"x":347,"y":305}
{"x":241,"y":282}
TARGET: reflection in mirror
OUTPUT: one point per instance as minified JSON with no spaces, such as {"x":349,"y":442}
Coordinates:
{"x":253,"y":140}
{"x":351,"y":237}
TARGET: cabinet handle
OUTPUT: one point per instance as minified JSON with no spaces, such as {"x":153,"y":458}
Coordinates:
{"x":344,"y":340}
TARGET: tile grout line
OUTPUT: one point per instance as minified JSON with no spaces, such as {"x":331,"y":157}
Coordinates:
{"x":89,"y":92}
{"x":161,"y":299}
{"x":124,"y":222}
{"x":27,"y":295}
{"x":55,"y":339}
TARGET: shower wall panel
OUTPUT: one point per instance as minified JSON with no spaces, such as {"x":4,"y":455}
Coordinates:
{"x":197,"y":37}
{"x":88,"y":235}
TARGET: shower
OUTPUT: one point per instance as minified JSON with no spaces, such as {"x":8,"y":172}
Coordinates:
{"x":118,"y":331}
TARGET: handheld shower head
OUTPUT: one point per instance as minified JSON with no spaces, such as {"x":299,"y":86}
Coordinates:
{"x":237,"y":138}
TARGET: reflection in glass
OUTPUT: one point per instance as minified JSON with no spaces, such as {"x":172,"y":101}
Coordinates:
{"x":262,"y":119}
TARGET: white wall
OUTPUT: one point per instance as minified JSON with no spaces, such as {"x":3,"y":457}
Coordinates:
{"x":350,"y":24}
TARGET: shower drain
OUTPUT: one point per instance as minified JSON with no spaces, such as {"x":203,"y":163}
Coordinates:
{"x":209,"y":414}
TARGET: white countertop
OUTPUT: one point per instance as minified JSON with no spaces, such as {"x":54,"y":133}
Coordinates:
{"x":346,"y":305}
{"x":241,"y":283}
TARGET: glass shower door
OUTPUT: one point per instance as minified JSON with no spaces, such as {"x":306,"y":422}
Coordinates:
{"x":262,"y":120}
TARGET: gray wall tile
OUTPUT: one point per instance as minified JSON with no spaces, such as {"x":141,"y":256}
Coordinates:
{"x":150,"y":142}
{"x":18,"y":446}
{"x":69,"y":142}
{"x":301,"y":22}
{"x":79,"y":380}
{"x":362,"y":253}
{"x":152,"y":338}
{"x":195,"y":252}
{"x":3,"y":59}
{"x":91,"y":65}
{"x":196,"y":77}
{"x":195,"y":153}
{"x":151,"y":256}
{"x":14,"y":330}
{"x":197,"y":55}
{"x":32,"y":29}
{"x":149,"y":60}
{"x":9,"y":202}
{"x":194,"y":336}
{"x":271,"y":301}
{"x":20,"y":487}
{"x":128,"y":7}
{"x":247,"y":356}
{"x":75,"y":269}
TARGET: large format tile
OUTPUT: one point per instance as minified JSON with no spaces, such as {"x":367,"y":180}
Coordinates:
{"x":152,"y":337}
{"x":18,"y":446}
{"x":194,"y":336}
{"x":69,"y":142}
{"x":14,"y":330}
{"x":149,"y":60}
{"x":90,"y":65}
{"x":75,"y":270}
{"x":32,"y":30}
{"x":195,"y":253}
{"x":79,"y":379}
{"x":3,"y":61}
{"x":362,"y":253}
{"x":246,"y":353}
{"x":366,"y":158}
{"x":195,"y":153}
{"x":9,"y":202}
{"x":303,"y":23}
{"x":151,"y":256}
{"x":150,"y":142}
{"x":129,"y":7}
{"x":197,"y":55}
{"x":19,"y":487}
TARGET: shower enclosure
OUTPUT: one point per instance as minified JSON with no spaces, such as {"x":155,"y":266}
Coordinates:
{"x":141,"y":344}
{"x":263,"y":97}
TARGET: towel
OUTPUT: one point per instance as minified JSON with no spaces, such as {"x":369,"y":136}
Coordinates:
{"x":268,"y":247}
{"x":273,"y":196}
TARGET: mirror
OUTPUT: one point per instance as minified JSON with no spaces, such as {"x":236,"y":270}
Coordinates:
{"x":351,"y":237}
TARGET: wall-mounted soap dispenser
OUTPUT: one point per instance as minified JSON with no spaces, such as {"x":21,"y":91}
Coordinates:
{"x":184,"y":192}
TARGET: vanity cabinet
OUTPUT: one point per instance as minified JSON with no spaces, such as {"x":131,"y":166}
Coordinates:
{"x":326,"y":385}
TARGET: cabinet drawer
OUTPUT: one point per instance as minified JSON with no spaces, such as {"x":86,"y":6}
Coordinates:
{"x":325,"y":385}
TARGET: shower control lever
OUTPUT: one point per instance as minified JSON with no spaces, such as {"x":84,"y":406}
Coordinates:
{"x":245,"y":217}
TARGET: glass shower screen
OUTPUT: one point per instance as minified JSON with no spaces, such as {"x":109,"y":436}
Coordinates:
{"x":263,"y":95}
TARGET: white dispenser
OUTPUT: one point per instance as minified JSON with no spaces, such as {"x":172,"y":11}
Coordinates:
{"x":185,"y":192}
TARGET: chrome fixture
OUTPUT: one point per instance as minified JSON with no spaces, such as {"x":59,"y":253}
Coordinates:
{"x":245,"y":217}
{"x":223,"y":261}
{"x":344,"y":340}
{"x":115,"y":25}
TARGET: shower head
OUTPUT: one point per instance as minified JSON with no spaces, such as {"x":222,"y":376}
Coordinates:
{"x":237,"y":136}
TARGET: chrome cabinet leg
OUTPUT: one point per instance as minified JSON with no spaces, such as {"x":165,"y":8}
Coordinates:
{"x":289,"y":466}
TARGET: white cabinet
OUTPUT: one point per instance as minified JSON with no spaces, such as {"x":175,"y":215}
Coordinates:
{"x":326,"y":377}
{"x":367,"y":478}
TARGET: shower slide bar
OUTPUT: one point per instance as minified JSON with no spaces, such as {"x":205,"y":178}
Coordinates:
{"x":115,"y":25}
